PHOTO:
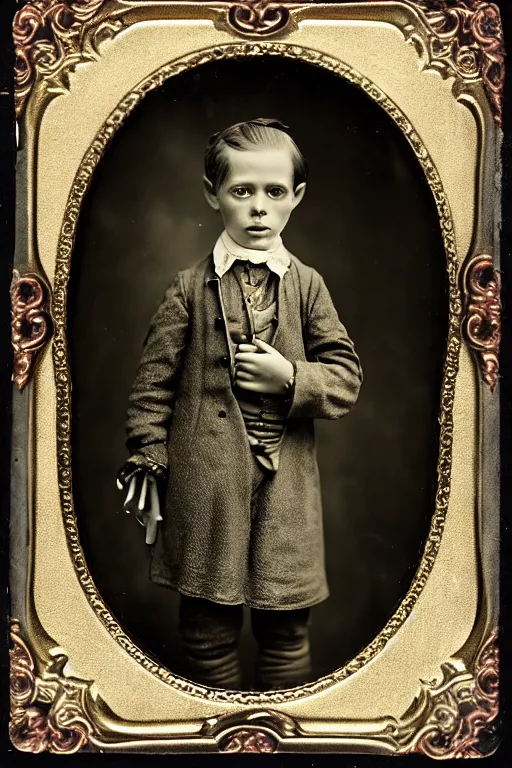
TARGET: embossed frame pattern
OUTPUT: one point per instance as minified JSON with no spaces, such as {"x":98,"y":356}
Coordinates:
{"x":42,"y":74}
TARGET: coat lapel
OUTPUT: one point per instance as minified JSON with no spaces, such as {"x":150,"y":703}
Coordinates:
{"x":213,"y":284}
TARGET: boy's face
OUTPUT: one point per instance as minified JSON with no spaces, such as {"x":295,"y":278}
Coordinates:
{"x":257,"y":196}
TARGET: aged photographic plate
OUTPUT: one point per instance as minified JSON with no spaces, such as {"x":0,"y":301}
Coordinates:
{"x":396,"y":108}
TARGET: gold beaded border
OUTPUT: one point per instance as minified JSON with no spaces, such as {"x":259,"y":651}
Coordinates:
{"x":63,"y":378}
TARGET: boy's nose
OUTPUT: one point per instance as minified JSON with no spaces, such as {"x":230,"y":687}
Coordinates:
{"x":259,"y":206}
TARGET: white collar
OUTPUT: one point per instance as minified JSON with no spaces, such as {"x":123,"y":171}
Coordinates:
{"x":226,"y":252}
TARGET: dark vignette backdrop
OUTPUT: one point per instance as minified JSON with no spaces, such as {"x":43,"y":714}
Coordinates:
{"x":369,"y":225}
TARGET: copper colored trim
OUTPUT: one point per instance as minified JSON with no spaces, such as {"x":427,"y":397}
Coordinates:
{"x":46,"y":716}
{"x":49,"y":40}
{"x":462,"y":709}
{"x":482,"y":321}
{"x":248,"y":740}
{"x":50,"y":712}
{"x":468,"y":36}
{"x":31,"y":324}
{"x":52,"y":36}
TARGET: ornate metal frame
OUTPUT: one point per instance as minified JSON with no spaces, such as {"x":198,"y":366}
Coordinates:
{"x":54,"y":711}
{"x":31,"y":323}
{"x":52,"y":36}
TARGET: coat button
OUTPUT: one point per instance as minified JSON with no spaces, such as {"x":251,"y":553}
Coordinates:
{"x":222,"y":414}
{"x":219,"y":325}
{"x":224,"y":361}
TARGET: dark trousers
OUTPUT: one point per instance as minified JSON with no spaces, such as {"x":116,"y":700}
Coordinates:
{"x":211,"y":632}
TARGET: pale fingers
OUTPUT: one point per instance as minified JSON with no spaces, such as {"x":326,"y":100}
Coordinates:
{"x":154,"y":515}
{"x":248,"y":357}
{"x":262,"y":346}
{"x":247,"y":348}
{"x":247,"y":367}
{"x":143,"y":492}
{"x":252,"y":386}
{"x":151,"y":531}
{"x":155,"y":501}
{"x":132,"y":495}
{"x":131,"y":492}
{"x":242,"y":375}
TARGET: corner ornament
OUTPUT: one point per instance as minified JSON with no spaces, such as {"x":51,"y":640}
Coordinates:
{"x":258,"y":18}
{"x":247,"y":740}
{"x":47,"y":714}
{"x":450,"y":719}
{"x":482,"y":323}
{"x":31,"y":324}
{"x":52,"y":36}
{"x":468,"y":40}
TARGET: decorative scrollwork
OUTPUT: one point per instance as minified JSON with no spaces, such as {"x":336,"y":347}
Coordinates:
{"x":258,"y":18}
{"x":482,"y":324}
{"x":31,"y":325}
{"x":47,"y":714}
{"x":50,"y":38}
{"x":251,"y":731}
{"x":248,"y":740}
{"x":448,"y":718}
{"x":468,"y":40}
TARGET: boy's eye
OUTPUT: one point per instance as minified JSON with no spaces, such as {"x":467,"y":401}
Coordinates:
{"x":240,"y":192}
{"x":275,"y":192}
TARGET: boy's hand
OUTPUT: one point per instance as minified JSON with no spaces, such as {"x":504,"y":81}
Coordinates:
{"x":142,"y":500}
{"x":261,"y":368}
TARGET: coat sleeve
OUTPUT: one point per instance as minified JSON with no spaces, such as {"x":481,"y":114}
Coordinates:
{"x":327,"y":385}
{"x":158,"y":376}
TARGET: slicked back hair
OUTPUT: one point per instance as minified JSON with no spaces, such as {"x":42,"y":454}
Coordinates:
{"x":261,"y":133}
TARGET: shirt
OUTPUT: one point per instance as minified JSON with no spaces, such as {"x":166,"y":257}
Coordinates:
{"x":227,"y":251}
{"x":257,"y":274}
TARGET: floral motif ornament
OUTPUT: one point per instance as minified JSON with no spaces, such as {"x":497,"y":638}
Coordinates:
{"x":482,"y":324}
{"x":258,"y":18}
{"x":47,"y":714}
{"x":448,"y":719}
{"x":31,"y":325}
{"x":50,"y":38}
{"x":468,"y":40}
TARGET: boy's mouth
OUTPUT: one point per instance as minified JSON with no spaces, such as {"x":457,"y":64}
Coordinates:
{"x":257,"y":228}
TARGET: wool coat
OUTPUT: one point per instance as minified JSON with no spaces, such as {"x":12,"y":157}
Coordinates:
{"x":183,"y":416}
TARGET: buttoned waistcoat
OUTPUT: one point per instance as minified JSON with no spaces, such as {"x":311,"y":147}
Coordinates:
{"x":182,"y":414}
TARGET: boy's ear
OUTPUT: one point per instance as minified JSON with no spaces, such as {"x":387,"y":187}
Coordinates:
{"x":211,"y":197}
{"x":298,"y":194}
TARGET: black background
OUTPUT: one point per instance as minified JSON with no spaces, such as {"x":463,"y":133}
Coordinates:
{"x":369,"y":225}
{"x":6,"y":223}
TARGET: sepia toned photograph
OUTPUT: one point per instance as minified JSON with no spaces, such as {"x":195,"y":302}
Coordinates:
{"x":235,"y":279}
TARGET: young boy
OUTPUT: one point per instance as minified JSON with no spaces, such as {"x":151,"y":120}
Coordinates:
{"x":245,"y":351}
